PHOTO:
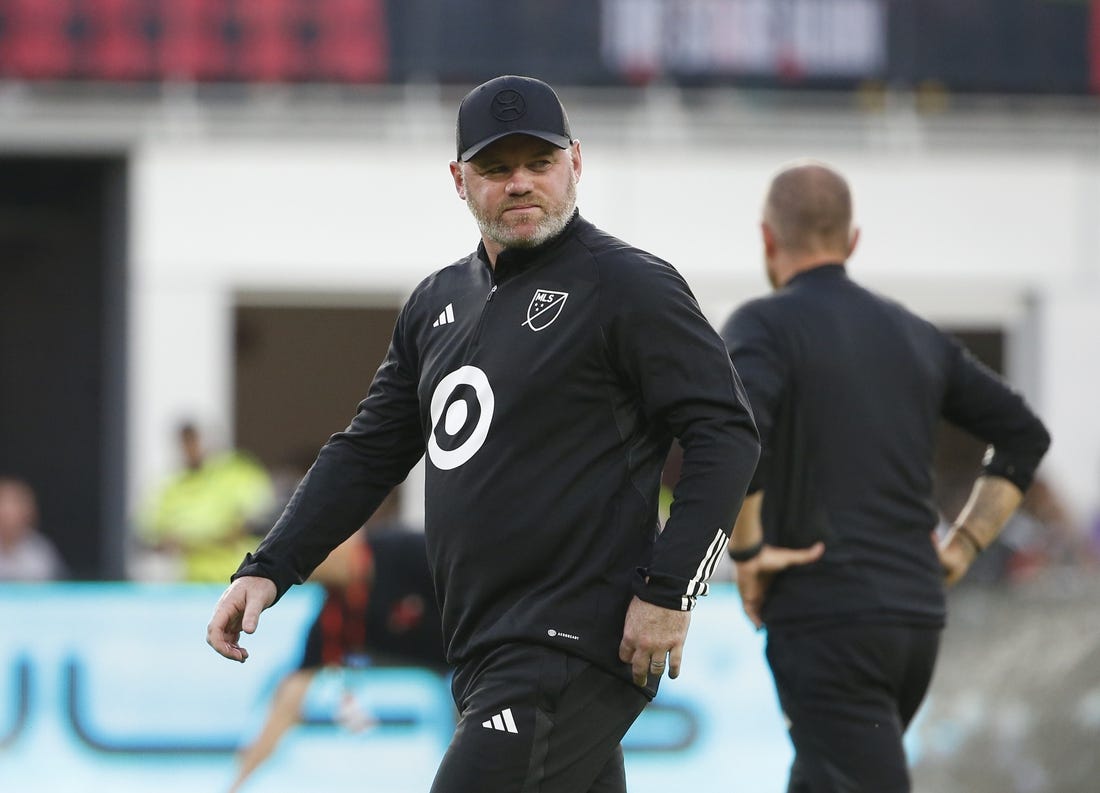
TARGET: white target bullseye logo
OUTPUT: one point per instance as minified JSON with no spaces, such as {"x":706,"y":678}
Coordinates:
{"x":461,"y":410}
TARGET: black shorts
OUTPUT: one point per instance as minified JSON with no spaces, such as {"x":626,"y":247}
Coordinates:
{"x":848,"y":693}
{"x":535,"y":719}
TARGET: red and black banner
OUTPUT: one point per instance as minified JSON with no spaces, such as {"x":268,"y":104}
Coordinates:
{"x":195,"y":40}
{"x":976,"y":46}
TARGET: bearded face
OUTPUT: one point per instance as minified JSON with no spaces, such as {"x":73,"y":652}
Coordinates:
{"x":521,"y":190}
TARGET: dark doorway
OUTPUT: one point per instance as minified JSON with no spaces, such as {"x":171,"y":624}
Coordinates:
{"x":62,"y":350}
{"x":301,"y":370}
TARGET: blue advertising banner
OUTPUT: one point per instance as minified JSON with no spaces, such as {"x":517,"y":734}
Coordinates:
{"x":112,"y":687}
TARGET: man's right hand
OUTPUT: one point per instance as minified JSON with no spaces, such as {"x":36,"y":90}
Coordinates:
{"x":956,"y":555}
{"x":755,"y":576}
{"x":238,"y":609}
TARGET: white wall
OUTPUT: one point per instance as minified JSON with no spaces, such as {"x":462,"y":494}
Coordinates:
{"x":1068,"y":390}
{"x":964,"y":235}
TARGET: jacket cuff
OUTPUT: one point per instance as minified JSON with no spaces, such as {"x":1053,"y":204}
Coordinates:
{"x":284,"y":579}
{"x":1016,"y":471}
{"x":667,"y":591}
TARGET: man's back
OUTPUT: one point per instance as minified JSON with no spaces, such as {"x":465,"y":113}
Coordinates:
{"x":848,"y":389}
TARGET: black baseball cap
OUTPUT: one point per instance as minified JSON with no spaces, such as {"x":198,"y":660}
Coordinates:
{"x":510,"y":105}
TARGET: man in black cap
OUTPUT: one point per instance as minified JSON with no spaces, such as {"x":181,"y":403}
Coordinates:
{"x":544,"y":375}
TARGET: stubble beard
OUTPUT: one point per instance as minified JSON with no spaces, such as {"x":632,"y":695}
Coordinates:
{"x":554,"y":218}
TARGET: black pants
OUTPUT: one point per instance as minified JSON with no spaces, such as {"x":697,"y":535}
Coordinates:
{"x":848,"y":693}
{"x":534,"y":720}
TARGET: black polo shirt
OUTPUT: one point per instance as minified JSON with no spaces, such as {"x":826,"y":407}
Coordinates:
{"x":847,"y":389}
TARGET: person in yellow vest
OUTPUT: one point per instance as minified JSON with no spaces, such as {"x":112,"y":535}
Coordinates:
{"x":206,"y":513}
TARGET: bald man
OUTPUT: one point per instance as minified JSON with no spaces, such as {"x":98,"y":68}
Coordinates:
{"x":832,"y":546}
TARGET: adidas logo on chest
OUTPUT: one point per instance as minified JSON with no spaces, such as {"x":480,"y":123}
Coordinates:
{"x":446,"y":316}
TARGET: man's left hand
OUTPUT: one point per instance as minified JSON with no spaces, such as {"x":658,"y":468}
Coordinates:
{"x":650,"y":635}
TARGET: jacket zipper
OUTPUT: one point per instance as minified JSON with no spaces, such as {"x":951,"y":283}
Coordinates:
{"x":481,"y":320}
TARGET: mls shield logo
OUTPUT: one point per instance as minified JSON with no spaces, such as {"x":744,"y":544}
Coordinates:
{"x":544,"y":308}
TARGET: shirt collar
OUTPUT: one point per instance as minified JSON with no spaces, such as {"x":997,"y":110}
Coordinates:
{"x":830,"y":271}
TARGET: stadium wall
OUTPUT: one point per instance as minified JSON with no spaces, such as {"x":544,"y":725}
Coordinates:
{"x":979,"y":230}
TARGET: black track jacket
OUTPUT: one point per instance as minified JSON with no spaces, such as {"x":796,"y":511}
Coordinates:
{"x":545,"y":395}
{"x":848,"y":389}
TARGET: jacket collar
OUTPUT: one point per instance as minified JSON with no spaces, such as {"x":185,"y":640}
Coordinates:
{"x":515,"y":260}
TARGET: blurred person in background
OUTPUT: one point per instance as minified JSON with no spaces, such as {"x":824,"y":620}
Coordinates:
{"x":26,"y":554}
{"x":545,"y":375}
{"x":848,"y":389}
{"x":379,"y":610}
{"x":206,"y":516}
